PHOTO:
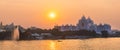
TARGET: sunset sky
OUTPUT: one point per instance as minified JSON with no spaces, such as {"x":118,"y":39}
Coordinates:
{"x":40,"y":13}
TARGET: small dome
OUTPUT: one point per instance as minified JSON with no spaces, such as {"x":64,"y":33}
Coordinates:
{"x":89,"y":19}
{"x":83,"y":17}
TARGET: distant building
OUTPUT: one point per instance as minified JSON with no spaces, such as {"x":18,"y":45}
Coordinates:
{"x":2,"y":27}
{"x":85,"y":24}
{"x":104,"y":27}
{"x":21,"y":29}
{"x":33,"y":28}
{"x":68,"y":28}
{"x":9,"y":27}
{"x":46,"y":34}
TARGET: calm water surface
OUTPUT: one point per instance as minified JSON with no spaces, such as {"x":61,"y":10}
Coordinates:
{"x":71,"y":44}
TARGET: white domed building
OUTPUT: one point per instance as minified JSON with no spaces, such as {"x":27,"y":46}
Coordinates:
{"x":86,"y":24}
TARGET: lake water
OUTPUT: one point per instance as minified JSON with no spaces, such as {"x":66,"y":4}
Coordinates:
{"x":70,"y":44}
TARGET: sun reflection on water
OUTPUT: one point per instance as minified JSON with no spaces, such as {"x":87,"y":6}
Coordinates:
{"x":52,"y":45}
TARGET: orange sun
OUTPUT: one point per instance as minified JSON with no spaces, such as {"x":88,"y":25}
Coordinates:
{"x":52,"y":15}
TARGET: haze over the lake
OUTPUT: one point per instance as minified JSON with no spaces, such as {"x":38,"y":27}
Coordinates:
{"x":36,"y":12}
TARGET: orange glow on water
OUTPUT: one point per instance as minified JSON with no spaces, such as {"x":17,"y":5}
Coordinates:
{"x":52,"y":45}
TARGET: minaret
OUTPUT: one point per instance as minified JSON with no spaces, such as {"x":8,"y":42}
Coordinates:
{"x":1,"y":24}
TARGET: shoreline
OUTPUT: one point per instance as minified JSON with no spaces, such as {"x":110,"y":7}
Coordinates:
{"x":63,"y":39}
